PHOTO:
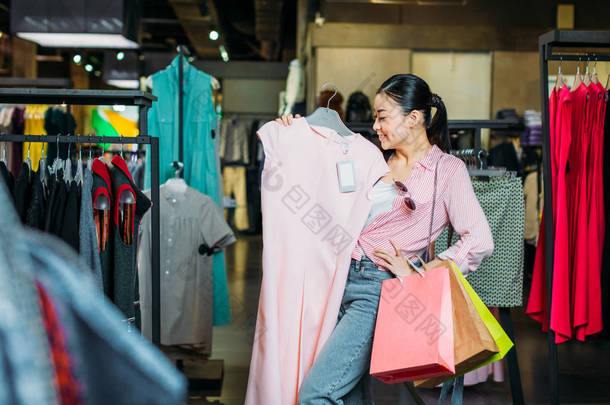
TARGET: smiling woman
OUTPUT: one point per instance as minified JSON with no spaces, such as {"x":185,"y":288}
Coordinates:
{"x":420,"y":190}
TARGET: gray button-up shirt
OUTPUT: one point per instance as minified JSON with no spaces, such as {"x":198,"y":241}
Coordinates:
{"x":188,"y":220}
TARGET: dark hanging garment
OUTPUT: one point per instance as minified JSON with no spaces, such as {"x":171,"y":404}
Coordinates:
{"x":69,"y":227}
{"x":53,"y":186}
{"x":18,"y":121}
{"x":35,"y":217}
{"x":358,"y":108}
{"x":8,"y":178}
{"x":57,"y":204}
{"x":102,"y":185}
{"x":21,"y":192}
{"x":124,"y":236}
{"x":56,"y":122}
{"x":505,"y":155}
{"x":16,"y":126}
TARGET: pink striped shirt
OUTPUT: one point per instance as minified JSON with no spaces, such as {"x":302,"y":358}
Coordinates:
{"x":455,"y":203}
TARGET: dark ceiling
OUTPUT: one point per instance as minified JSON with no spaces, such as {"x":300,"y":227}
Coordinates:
{"x":167,"y":23}
{"x":249,"y":29}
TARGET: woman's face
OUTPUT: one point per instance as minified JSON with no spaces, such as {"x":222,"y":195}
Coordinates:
{"x":391,"y":124}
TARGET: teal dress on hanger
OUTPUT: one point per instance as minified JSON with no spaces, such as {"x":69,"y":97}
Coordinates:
{"x":200,"y":168}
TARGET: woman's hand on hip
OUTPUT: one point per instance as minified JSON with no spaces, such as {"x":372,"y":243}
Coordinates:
{"x":286,"y":120}
{"x":394,"y":261}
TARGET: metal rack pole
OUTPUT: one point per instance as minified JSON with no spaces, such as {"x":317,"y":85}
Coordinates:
{"x":156,"y":242}
{"x":180,"y":103}
{"x":155,"y":223}
{"x":548,"y":226}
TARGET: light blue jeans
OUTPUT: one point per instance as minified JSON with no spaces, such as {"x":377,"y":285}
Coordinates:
{"x":340,"y":374}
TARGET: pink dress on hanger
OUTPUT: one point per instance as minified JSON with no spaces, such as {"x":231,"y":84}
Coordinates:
{"x":309,"y":231}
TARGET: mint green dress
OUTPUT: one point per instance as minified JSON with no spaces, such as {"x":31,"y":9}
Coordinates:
{"x":200,"y":160}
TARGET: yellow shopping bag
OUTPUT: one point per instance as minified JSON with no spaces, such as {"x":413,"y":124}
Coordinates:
{"x":495,"y":329}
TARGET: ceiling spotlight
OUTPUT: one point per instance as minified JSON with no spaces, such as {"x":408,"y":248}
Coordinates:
{"x":77,"y":58}
{"x":88,"y":67}
{"x":223,"y":53}
{"x":214,"y":35}
{"x":120,"y":55}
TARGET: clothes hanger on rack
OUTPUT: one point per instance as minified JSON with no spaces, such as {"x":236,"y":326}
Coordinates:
{"x":28,"y":161}
{"x":57,"y":162}
{"x":588,"y":80}
{"x":80,"y":175}
{"x":102,"y":158}
{"x":177,"y":185}
{"x":67,"y":167}
{"x":477,"y":165}
{"x":578,"y":79}
{"x":42,"y":167}
{"x":325,"y":117}
{"x":560,"y":82}
{"x":595,"y":77}
{"x":90,"y":160}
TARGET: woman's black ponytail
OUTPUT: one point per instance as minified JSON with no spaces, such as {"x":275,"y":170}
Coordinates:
{"x":413,"y":93}
{"x":438,"y":130}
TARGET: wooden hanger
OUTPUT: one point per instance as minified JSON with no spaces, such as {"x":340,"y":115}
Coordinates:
{"x":578,"y":79}
{"x":588,"y":80}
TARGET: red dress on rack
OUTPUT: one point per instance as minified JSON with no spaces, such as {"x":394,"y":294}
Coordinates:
{"x":578,"y":203}
{"x":585,"y":235}
{"x":560,"y":306}
{"x":596,"y":109}
{"x":537,"y":303}
{"x":560,"y":114}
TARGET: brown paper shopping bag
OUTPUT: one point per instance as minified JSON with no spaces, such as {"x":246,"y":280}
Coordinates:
{"x":473,"y":343}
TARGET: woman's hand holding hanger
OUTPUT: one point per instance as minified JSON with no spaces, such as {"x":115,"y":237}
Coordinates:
{"x":286,"y":120}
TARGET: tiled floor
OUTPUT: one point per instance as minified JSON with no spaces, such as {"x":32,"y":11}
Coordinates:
{"x":584,"y":367}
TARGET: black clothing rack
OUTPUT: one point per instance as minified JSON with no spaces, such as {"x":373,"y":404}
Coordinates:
{"x":104,"y":97}
{"x":477,"y":125}
{"x":514,"y":374}
{"x":574,"y":41}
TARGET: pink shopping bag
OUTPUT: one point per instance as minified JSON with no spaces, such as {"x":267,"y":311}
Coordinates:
{"x":414,"y":331}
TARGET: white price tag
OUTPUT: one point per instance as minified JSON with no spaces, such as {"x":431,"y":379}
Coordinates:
{"x":347,"y":176}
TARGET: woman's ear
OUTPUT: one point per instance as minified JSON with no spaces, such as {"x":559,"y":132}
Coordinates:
{"x":415,"y":118}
